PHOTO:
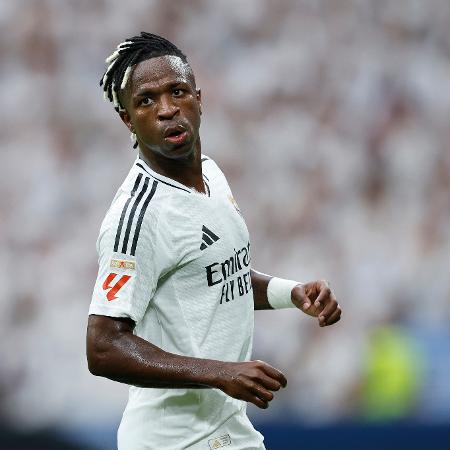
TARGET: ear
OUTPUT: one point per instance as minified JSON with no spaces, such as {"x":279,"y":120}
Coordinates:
{"x":199,"y":99}
{"x":126,"y":120}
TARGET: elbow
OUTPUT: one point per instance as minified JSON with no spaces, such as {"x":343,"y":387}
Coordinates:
{"x":97,"y":353}
{"x":99,"y":363}
{"x":94,"y":360}
{"x":93,"y":365}
{"x":104,"y":342}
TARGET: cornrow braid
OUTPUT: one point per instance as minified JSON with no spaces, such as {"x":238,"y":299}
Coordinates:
{"x":129,"y":53}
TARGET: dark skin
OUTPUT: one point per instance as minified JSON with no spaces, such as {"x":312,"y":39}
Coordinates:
{"x":161,"y":96}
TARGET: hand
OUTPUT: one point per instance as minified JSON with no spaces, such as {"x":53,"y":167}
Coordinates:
{"x":251,"y":381}
{"x":318,"y":300}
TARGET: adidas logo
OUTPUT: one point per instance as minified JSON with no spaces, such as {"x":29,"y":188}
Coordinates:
{"x":208,"y":238}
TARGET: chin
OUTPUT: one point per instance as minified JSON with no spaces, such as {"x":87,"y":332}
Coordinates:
{"x":184,"y":151}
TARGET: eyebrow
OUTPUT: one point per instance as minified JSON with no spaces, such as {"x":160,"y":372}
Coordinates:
{"x":150,"y":91}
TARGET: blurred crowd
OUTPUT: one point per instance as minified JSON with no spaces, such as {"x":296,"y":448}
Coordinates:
{"x":330,"y":120}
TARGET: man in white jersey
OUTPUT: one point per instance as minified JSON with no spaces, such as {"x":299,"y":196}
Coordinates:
{"x":172,"y":308}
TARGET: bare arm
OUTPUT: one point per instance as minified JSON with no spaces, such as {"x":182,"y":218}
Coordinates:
{"x":114,"y":352}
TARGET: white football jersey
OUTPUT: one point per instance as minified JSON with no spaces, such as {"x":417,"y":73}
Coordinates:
{"x":177,"y":262}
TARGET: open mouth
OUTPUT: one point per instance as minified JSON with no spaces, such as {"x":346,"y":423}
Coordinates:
{"x":175,"y":135}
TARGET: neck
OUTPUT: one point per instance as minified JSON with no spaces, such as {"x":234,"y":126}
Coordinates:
{"x":187,"y":170}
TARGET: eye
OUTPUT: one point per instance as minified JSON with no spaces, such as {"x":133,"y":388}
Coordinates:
{"x":177,"y":92}
{"x":146,"y":101}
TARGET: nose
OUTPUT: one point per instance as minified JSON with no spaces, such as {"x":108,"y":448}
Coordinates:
{"x":167,"y":109}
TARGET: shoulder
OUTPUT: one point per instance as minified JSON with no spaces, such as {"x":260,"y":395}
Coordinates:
{"x":214,"y":176}
{"x":208,"y":162}
{"x":210,"y":168}
{"x":136,"y":210}
{"x":143,"y":214}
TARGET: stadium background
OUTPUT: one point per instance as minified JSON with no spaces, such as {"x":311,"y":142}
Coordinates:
{"x":331,"y":121}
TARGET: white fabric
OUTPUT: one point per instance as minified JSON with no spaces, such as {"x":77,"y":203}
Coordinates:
{"x":188,"y":293}
{"x":279,"y":293}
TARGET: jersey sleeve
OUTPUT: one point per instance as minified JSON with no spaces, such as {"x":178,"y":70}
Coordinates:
{"x":132,"y":257}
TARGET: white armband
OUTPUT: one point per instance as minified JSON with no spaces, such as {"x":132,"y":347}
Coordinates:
{"x":279,"y":293}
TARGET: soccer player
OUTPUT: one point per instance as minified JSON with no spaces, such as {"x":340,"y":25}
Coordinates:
{"x":172,"y":309}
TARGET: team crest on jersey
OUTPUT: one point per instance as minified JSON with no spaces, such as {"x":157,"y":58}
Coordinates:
{"x":219,"y":442}
{"x":123,"y":264}
{"x":234,"y":203}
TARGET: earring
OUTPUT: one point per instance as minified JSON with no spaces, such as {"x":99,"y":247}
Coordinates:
{"x":133,"y":139}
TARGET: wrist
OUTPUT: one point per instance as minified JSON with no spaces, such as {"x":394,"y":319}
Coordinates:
{"x":279,"y":293}
{"x":215,"y":374}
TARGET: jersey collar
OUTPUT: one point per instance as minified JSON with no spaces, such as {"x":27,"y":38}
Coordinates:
{"x":144,"y":167}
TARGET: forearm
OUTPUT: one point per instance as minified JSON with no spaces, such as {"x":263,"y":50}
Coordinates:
{"x":114,"y":352}
{"x":129,"y":359}
{"x":260,"y":281}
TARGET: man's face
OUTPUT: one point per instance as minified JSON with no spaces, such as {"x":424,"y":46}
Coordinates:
{"x":163,"y":107}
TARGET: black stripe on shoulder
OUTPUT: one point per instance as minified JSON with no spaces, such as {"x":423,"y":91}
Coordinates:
{"x":132,"y":213}
{"x":124,"y":211}
{"x":141,"y":217}
{"x":162,"y":181}
{"x":204,"y":159}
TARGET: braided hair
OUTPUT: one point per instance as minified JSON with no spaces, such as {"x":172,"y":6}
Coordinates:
{"x":129,"y":53}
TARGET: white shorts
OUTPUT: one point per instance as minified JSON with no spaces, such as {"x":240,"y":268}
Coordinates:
{"x":236,"y":433}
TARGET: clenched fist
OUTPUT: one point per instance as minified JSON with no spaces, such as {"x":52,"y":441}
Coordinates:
{"x":252,"y":381}
{"x":318,"y":300}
